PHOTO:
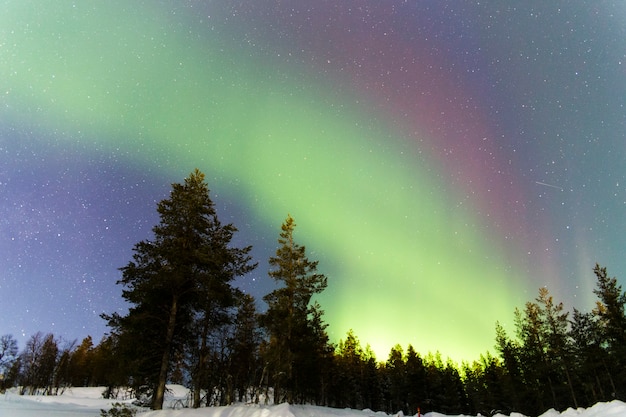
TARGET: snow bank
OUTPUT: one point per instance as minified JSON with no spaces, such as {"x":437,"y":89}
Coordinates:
{"x":612,"y":409}
{"x":87,"y":402}
{"x":76,"y":403}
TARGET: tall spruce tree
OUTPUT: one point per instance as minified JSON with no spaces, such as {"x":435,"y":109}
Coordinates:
{"x":349,"y":363}
{"x":513,"y":382}
{"x":559,"y":349}
{"x":531,"y":333}
{"x":610,"y":311}
{"x":294,"y":325}
{"x":170,"y":279}
{"x":396,"y":376}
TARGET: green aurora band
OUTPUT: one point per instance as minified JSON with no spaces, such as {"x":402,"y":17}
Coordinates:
{"x":406,"y":264}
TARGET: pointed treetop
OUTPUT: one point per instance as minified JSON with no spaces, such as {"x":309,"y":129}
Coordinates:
{"x":196,"y":176}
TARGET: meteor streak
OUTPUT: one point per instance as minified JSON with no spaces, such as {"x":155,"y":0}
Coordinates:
{"x":549,"y":185}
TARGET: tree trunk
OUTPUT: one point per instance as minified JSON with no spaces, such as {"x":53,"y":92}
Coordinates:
{"x":201,"y":367}
{"x":159,"y":393}
{"x":554,"y":404}
{"x":199,"y":378}
{"x":571,"y":387}
{"x":196,"y":397}
{"x":608,"y":373}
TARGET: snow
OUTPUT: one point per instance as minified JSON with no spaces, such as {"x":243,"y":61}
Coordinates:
{"x":74,"y":402}
{"x":87,"y":402}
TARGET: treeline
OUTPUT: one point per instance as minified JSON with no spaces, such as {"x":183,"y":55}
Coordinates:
{"x":557,"y":361}
{"x":552,"y":361}
{"x":187,"y":324}
{"x":48,"y":365}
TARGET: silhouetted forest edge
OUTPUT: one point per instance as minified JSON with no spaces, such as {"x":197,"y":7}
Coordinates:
{"x":187,"y":324}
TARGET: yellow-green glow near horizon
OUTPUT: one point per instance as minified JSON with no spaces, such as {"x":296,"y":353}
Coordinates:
{"x":406,"y":262}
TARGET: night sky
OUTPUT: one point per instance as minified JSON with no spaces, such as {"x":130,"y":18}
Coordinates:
{"x":442,"y":159}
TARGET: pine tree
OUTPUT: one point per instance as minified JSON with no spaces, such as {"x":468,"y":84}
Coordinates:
{"x":611,"y":315}
{"x":610,"y":307}
{"x":591,"y":358}
{"x":545,"y":354}
{"x":291,"y":321}
{"x":513,"y":383}
{"x":396,"y":376}
{"x":558,"y":345}
{"x":80,"y":363}
{"x":531,"y":331}
{"x":108,"y":367}
{"x":244,"y":347}
{"x":415,"y":379}
{"x":350,"y":364}
{"x":170,"y":279}
{"x":484,"y":383}
{"x":371,"y":381}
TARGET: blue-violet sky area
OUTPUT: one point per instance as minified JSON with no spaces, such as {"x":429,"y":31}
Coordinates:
{"x":442,"y":159}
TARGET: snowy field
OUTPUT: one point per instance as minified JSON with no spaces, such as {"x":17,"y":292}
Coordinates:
{"x":87,"y":402}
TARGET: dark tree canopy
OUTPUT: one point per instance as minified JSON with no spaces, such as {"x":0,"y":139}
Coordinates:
{"x":186,"y":269}
{"x":297,"y":336}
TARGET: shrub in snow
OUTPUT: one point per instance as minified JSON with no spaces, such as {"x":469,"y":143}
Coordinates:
{"x":119,"y":410}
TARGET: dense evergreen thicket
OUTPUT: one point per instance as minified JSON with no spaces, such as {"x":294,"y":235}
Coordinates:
{"x":188,"y":325}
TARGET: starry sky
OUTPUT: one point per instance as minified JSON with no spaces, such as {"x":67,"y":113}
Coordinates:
{"x":442,"y":159}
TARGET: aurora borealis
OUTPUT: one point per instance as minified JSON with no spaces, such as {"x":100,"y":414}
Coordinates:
{"x":442,"y":159}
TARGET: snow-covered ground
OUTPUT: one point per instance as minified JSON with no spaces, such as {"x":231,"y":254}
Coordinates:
{"x":87,"y":402}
